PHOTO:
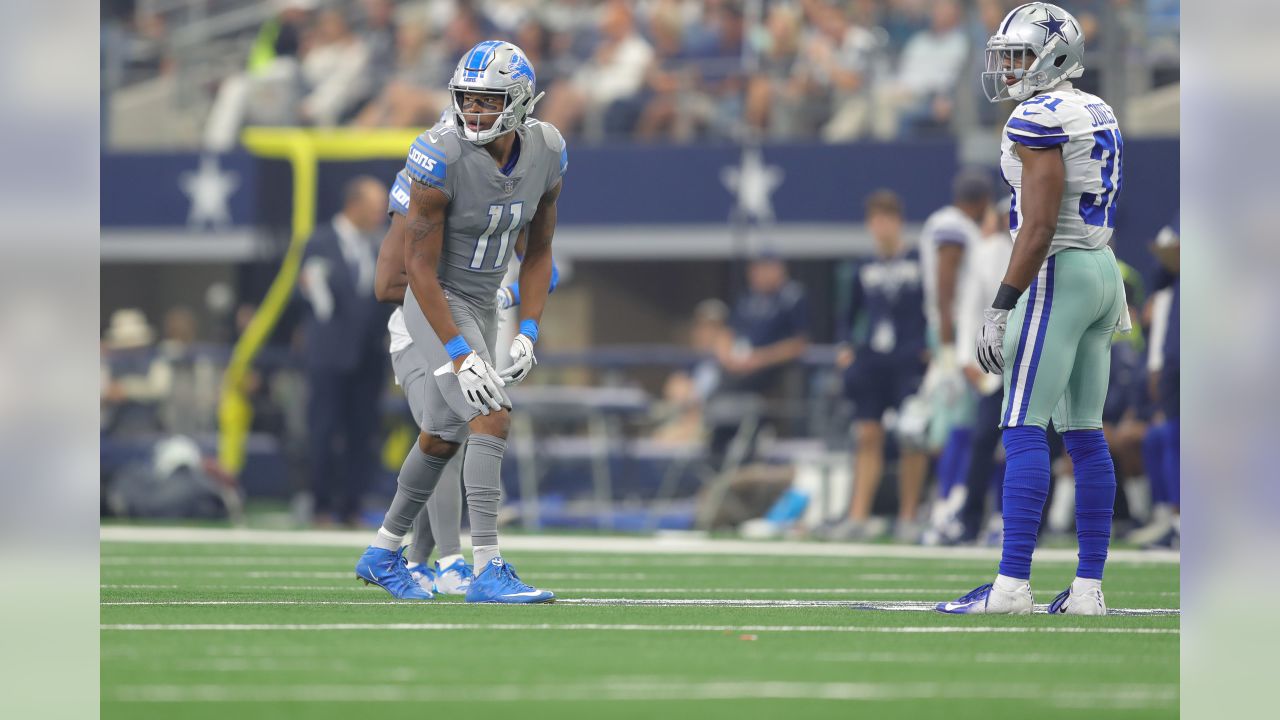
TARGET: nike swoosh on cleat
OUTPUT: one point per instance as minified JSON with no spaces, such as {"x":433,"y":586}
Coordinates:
{"x":953,"y":606}
{"x":531,"y":593}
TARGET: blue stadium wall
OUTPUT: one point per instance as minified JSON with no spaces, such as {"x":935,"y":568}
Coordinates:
{"x":623,"y":193}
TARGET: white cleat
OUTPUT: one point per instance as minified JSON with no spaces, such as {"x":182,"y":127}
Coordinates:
{"x":424,"y":575}
{"x":990,"y":600}
{"x":455,"y":579}
{"x":1079,"y":599}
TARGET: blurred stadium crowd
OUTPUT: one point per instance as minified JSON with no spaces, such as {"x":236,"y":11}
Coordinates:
{"x":773,"y":407}
{"x":193,"y":72}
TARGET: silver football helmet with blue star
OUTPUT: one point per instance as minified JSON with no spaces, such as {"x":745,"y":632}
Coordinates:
{"x":503,"y":71}
{"x":1036,"y":47}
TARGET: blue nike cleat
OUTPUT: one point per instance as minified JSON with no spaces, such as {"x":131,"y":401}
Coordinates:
{"x":1079,"y":599}
{"x":986,"y":600}
{"x":425,"y":575}
{"x":388,"y":570}
{"x":498,"y":583}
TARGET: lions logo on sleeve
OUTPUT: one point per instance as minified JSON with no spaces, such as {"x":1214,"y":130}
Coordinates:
{"x":430,"y":157}
{"x":398,"y":198}
{"x":1084,"y":128}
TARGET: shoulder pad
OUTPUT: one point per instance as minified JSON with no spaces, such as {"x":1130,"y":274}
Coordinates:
{"x":430,"y":156}
{"x":554,"y":140}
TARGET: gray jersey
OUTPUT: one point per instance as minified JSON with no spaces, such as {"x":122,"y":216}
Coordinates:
{"x":487,"y":208}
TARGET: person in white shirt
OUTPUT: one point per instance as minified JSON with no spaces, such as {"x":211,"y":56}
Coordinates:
{"x":616,"y":71}
{"x":923,"y":88}
{"x":947,"y":240}
{"x":987,"y":261}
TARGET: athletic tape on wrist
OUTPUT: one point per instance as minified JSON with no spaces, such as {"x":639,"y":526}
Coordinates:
{"x":1006,"y":297}
{"x":529,"y":328}
{"x":458,"y":347}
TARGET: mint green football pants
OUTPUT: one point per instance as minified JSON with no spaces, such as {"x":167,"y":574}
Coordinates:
{"x":1057,"y":346}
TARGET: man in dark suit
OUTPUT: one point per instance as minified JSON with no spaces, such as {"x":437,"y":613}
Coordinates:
{"x":345,"y":350}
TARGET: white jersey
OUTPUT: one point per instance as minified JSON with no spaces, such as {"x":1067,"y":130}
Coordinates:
{"x":1092,"y":149}
{"x":399,"y":333}
{"x":947,"y":226}
{"x":987,"y":260}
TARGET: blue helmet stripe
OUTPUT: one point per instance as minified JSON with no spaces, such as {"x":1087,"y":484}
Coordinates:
{"x":1013,"y":15}
{"x":482,"y":54}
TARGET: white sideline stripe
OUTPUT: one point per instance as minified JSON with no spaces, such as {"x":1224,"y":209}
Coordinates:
{"x":577,"y":544}
{"x":1130,"y":696}
{"x":899,"y":606}
{"x":597,"y":627}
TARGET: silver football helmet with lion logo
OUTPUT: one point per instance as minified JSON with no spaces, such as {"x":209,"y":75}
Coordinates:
{"x":1036,"y":47}
{"x":497,"y":68}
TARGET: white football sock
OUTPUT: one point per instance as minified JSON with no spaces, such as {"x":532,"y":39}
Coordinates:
{"x":482,"y":554}
{"x":1080,"y":585}
{"x":448,"y":560}
{"x":385,"y":540}
{"x":1008,"y":584}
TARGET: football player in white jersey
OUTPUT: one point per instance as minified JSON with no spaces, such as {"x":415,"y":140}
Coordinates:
{"x":947,"y":240}
{"x":1048,"y":332}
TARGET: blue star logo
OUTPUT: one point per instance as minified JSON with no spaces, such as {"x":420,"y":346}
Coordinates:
{"x":1052,"y":26}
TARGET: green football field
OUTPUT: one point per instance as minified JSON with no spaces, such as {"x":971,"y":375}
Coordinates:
{"x":276,"y":626}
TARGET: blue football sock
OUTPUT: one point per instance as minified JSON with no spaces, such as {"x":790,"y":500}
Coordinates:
{"x":953,"y":463}
{"x":1095,"y":498}
{"x":1153,"y":460}
{"x":1172,"y":472}
{"x":1026,"y":485}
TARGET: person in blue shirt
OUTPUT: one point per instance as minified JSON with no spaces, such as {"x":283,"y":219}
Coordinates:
{"x":770,"y":333}
{"x":770,"y":325}
{"x":883,"y":354}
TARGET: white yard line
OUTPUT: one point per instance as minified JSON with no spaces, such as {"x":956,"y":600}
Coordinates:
{"x":660,"y":545}
{"x":345,"y":587}
{"x":888,"y":605}
{"x":605,"y":627}
{"x":1128,"y":696}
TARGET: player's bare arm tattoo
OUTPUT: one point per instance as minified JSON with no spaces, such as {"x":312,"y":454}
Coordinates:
{"x":425,"y":224}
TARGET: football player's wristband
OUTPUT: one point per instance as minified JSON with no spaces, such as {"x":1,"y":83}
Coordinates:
{"x":514,"y":289}
{"x":1006,"y":297}
{"x":457,"y":347}
{"x":529,"y":328}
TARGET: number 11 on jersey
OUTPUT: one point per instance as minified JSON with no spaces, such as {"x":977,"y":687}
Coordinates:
{"x":495,"y":217}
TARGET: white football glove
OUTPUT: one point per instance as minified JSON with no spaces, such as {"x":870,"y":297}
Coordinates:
{"x":991,"y":340}
{"x":479,"y":382}
{"x":943,"y":379}
{"x":506,"y":299}
{"x":522,"y":360}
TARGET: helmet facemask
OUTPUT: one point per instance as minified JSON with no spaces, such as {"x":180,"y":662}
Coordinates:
{"x":1038,"y":46}
{"x":512,"y":100}
{"x":495,"y":104}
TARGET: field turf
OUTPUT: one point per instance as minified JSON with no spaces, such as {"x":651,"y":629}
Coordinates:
{"x":258,"y":629}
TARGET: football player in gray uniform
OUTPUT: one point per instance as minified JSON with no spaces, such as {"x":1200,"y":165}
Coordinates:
{"x":475,"y":187}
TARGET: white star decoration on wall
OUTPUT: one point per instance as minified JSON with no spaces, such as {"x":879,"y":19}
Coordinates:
{"x":753,"y":183}
{"x":210,"y":190}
